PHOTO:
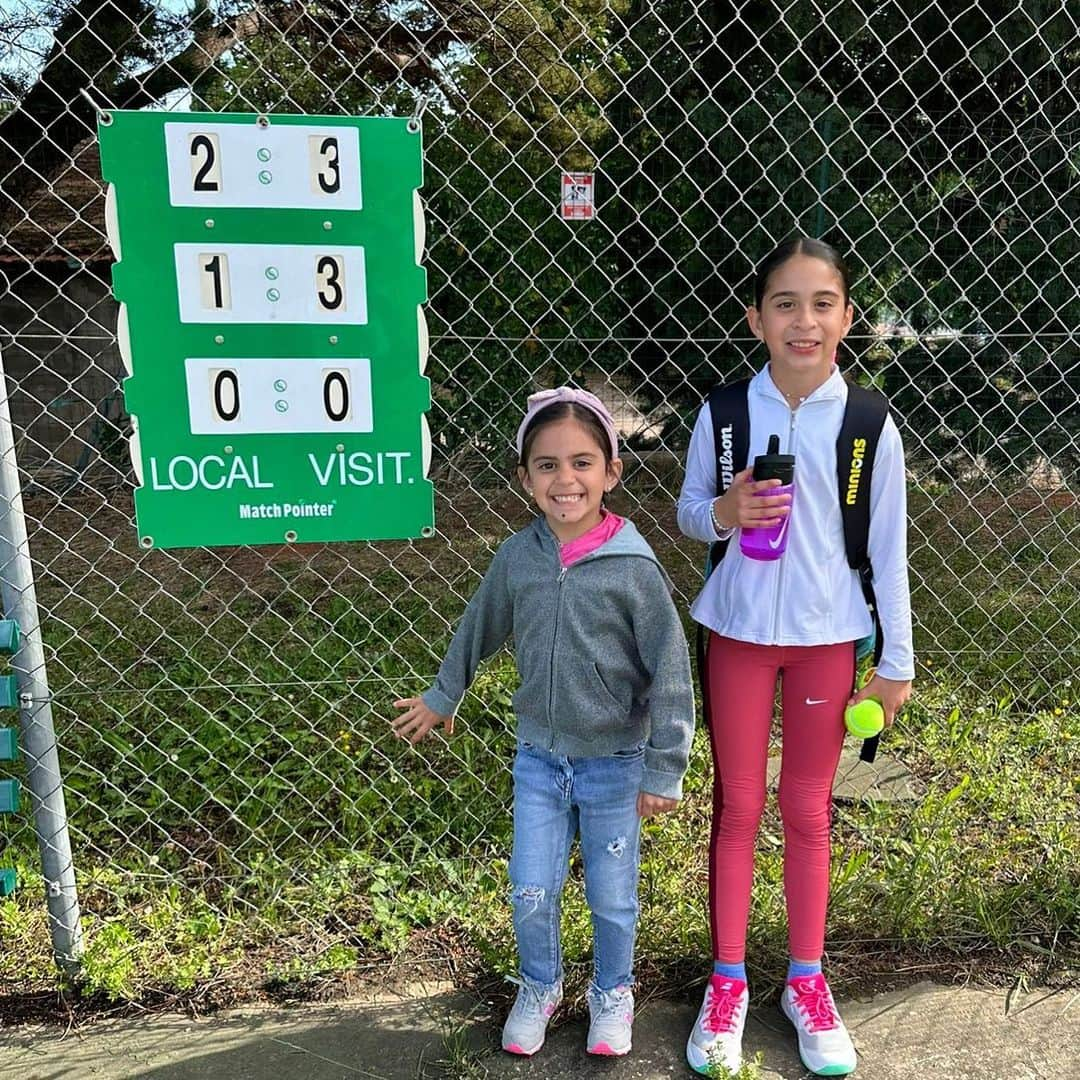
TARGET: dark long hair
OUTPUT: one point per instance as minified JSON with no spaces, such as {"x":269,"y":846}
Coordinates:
{"x":561,"y":410}
{"x":800,"y":245}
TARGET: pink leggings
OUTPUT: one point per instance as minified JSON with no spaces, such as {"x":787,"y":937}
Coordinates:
{"x":817,"y":681}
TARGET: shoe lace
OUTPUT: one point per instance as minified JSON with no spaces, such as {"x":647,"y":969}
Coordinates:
{"x":721,"y":1010}
{"x":528,"y":1000}
{"x":611,"y":1004}
{"x":816,"y":1004}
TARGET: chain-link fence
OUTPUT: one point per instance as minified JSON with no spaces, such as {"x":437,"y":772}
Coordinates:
{"x":238,"y":811}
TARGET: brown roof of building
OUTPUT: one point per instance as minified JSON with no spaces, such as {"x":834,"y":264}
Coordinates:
{"x":65,"y":220}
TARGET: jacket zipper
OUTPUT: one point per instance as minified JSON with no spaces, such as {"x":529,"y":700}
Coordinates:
{"x":555,"y":641}
{"x":780,"y":576}
{"x":554,"y":652}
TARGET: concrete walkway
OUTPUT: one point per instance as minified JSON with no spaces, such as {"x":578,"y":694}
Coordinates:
{"x":923,"y":1030}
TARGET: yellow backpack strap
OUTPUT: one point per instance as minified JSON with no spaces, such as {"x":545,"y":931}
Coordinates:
{"x":856,"y":447}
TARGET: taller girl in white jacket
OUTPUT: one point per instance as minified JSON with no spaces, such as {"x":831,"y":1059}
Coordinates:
{"x":798,"y":616}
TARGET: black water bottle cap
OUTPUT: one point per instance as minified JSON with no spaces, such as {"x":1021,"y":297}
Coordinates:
{"x":773,"y":465}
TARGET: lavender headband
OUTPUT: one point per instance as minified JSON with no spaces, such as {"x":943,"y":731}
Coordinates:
{"x":569,"y":394}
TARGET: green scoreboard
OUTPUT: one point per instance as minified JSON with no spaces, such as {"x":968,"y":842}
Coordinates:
{"x":270,"y":287}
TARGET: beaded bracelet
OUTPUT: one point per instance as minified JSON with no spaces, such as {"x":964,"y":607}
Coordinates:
{"x":720,"y":529}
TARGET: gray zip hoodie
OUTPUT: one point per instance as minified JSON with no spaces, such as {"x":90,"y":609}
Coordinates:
{"x":599,"y":647}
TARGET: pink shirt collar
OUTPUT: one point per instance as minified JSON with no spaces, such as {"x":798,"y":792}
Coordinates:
{"x":574,"y":550}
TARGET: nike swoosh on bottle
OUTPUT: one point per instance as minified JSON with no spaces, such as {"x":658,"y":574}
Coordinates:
{"x":774,"y":544}
{"x":810,"y":701}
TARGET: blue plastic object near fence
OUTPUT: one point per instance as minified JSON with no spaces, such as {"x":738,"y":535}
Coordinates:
{"x":9,"y":749}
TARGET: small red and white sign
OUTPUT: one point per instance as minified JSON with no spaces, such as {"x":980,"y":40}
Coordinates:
{"x":577,"y":195}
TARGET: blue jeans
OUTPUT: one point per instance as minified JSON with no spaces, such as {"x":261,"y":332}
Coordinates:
{"x":554,"y":797}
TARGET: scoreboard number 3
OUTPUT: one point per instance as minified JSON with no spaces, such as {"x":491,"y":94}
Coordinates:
{"x":215,"y":285}
{"x":330,"y":282}
{"x":287,"y":166}
{"x":325,"y":164}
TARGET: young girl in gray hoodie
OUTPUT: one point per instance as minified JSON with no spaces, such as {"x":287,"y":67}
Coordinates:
{"x":605,"y":709}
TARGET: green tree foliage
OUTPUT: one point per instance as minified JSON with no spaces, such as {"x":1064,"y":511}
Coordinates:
{"x":935,"y":143}
{"x":516,"y":93}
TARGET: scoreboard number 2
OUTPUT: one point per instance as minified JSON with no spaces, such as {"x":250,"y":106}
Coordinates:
{"x":205,"y":153}
{"x":263,"y":166}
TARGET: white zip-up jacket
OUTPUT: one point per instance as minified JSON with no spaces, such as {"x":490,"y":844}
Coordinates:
{"x":809,"y":596}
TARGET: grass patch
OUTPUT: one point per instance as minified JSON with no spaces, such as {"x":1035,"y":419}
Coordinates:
{"x":242,"y":819}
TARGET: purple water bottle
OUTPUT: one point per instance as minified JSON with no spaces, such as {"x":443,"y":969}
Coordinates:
{"x":770,"y":543}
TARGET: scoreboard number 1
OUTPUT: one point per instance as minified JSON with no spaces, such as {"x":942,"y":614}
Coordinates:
{"x":271,"y":283}
{"x":214,"y":281}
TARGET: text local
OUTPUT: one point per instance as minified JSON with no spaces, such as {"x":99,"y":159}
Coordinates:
{"x":213,"y":472}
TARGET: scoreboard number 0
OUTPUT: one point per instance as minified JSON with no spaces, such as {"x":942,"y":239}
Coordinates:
{"x":336,"y":394}
{"x":225,"y":395}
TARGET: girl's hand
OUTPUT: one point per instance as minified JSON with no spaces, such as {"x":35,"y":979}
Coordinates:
{"x":647,"y":804}
{"x":418,"y":720}
{"x":892,"y":693}
{"x":739,"y":506}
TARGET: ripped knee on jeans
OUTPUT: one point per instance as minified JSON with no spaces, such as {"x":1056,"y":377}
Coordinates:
{"x":528,"y":897}
{"x":617,"y":847}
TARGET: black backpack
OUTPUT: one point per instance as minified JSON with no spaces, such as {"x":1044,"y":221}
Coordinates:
{"x":856,"y":446}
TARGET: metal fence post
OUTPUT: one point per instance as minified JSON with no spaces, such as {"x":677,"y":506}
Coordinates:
{"x":38,"y":739}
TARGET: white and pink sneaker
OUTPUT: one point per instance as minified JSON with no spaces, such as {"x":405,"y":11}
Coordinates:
{"x":824,"y":1044}
{"x":611,"y":1021}
{"x":717,"y":1035}
{"x":526,"y":1026}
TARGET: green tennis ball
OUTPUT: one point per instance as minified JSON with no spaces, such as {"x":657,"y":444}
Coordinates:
{"x":866,"y":719}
